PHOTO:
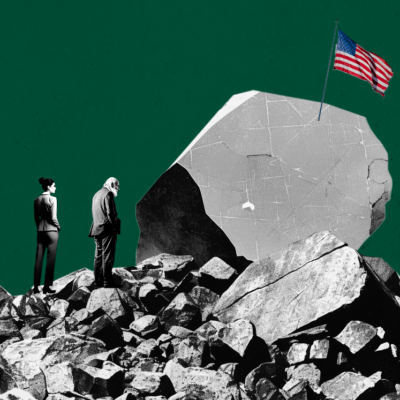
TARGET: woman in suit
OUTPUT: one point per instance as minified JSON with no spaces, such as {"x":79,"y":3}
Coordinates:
{"x":45,"y":207}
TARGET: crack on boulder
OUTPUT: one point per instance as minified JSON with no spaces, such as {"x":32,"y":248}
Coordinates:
{"x":282,"y":277}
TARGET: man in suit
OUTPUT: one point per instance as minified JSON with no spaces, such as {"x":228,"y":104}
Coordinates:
{"x":104,"y":230}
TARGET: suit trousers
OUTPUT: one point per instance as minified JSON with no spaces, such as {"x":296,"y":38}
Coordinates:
{"x":104,"y":259}
{"x":45,"y":240}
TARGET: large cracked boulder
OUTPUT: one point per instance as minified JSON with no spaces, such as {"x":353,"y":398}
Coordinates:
{"x":270,"y":173}
{"x":309,"y":283}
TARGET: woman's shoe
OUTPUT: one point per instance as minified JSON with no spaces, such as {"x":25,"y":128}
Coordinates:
{"x":36,"y":290}
{"x":48,"y":290}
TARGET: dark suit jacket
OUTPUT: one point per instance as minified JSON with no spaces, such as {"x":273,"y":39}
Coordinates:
{"x":45,"y":211}
{"x":105,"y":221}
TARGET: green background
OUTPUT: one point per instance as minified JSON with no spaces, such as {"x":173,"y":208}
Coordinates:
{"x":93,"y":89}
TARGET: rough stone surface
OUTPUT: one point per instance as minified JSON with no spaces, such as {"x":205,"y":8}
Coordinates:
{"x":17,"y":394}
{"x":183,"y":378}
{"x":84,"y":279}
{"x":217,"y":275}
{"x":152,"y":383}
{"x":105,"y":329}
{"x":311,"y":278}
{"x":79,"y":298}
{"x":25,"y":360}
{"x":8,"y":329}
{"x":182,"y":311}
{"x":306,"y":372}
{"x":205,"y":299}
{"x":297,"y":353}
{"x":107,"y":381}
{"x":264,"y":370}
{"x":114,"y":302}
{"x":238,"y":335}
{"x":320,"y":349}
{"x":173,"y":267}
{"x":59,"y":309}
{"x":356,"y":335}
{"x":172,"y":219}
{"x":192,"y":352}
{"x":270,"y":173}
{"x":347,"y":386}
{"x":145,"y":326}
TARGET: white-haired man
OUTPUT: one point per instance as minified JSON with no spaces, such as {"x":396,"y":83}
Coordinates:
{"x":104,"y":230}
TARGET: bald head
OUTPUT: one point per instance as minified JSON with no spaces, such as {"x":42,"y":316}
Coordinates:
{"x":112,"y":184}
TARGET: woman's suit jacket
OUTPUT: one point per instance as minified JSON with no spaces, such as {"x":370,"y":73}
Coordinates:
{"x":45,"y":207}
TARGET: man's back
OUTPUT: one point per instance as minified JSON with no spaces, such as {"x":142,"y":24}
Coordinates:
{"x":104,"y":213}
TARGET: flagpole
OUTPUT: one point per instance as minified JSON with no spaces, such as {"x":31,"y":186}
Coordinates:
{"x":329,"y":65}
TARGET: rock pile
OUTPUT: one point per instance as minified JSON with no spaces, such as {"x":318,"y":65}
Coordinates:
{"x":318,"y":322}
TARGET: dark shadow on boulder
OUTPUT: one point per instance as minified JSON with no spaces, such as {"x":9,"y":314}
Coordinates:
{"x":172,"y":219}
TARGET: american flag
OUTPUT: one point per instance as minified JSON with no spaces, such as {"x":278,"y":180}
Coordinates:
{"x":354,"y":60}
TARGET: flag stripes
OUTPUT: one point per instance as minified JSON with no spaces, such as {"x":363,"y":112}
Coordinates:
{"x":356,"y":61}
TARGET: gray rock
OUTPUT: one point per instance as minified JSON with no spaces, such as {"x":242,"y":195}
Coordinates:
{"x":306,"y":372}
{"x":64,"y":285}
{"x":31,"y":334}
{"x":8,"y":329}
{"x":84,"y":280}
{"x":152,"y":383}
{"x":230,"y":369}
{"x":266,"y":390}
{"x":107,"y":381}
{"x":120,"y":274}
{"x":297,"y":353}
{"x":356,"y":335}
{"x":4,"y":295}
{"x":211,"y":330}
{"x":217,"y":275}
{"x":294,"y":387}
{"x":105,"y":329}
{"x":192,"y":352}
{"x":26,"y":360}
{"x":6,"y":307}
{"x":60,"y":309}
{"x":39,"y":323}
{"x":17,"y":394}
{"x":267,"y":183}
{"x":148,"y":348}
{"x":145,"y":326}
{"x":216,"y":384}
{"x":166,"y":284}
{"x":60,"y":326}
{"x":79,"y":298}
{"x":385,"y":272}
{"x":205,"y":299}
{"x":64,"y":377}
{"x":97,"y":360}
{"x":82,"y":316}
{"x":180,"y":332}
{"x":174,"y":267}
{"x":310,"y":279}
{"x":265,"y":370}
{"x":320,"y":349}
{"x":238,"y":335}
{"x":113,"y":302}
{"x":347,"y":386}
{"x":30,"y":306}
{"x":181,"y":311}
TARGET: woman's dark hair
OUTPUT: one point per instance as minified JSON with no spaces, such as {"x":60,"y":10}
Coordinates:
{"x":45,"y":183}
